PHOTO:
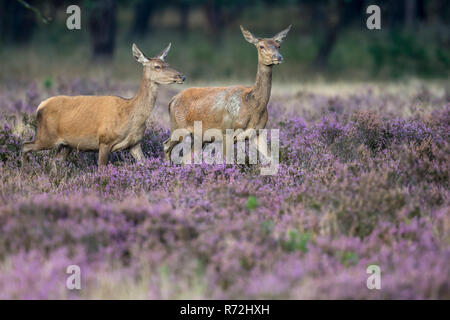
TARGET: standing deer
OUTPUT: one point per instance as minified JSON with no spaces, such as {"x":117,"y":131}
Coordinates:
{"x":236,"y":107}
{"x":103,"y":123}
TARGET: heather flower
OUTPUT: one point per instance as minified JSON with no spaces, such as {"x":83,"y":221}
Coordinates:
{"x":363,"y":179}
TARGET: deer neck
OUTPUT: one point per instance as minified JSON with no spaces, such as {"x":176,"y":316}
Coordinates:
{"x":263,"y":85}
{"x":144,"y":101}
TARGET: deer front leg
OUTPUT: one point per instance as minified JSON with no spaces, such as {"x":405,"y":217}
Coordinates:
{"x":136,"y":152}
{"x":61,"y":156}
{"x":247,"y":133}
{"x":63,"y":153}
{"x":103,"y":154}
{"x":260,"y":141}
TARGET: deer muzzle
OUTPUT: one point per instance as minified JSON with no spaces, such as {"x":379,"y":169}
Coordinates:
{"x":277,"y":58}
{"x":181,"y":78}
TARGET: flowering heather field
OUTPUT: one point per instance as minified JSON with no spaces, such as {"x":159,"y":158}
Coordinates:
{"x":363,"y":179}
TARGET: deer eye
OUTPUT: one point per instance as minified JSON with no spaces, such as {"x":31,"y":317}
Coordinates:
{"x":261,"y":47}
{"x":157,"y":67}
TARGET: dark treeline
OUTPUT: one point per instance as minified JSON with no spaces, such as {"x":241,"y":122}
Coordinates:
{"x":326,"y":17}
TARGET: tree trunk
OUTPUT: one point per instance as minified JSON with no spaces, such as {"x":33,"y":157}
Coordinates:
{"x":102,"y":28}
{"x":421,"y":13}
{"x":16,"y":22}
{"x":214,"y":14}
{"x":410,"y":14}
{"x":333,"y":25}
{"x":183,"y":9}
{"x":142,"y":14}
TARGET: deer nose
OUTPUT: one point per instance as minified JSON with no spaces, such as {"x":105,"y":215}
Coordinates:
{"x":183,"y":77}
{"x":278,"y":57}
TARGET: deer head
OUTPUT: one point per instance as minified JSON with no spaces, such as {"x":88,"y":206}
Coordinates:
{"x":156,"y":69}
{"x":268,"y":48}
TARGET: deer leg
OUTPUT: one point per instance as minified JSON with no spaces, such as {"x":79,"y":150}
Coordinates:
{"x":136,"y":152}
{"x":36,"y":145}
{"x":188,"y":157}
{"x":247,"y":133}
{"x":103,"y":153}
{"x":197,"y":149}
{"x":27,"y":147}
{"x":261,"y":145}
{"x":168,"y":146}
{"x":228,"y":148}
{"x":63,"y":153}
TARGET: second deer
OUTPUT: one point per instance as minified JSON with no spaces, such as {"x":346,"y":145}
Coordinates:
{"x":236,"y":107}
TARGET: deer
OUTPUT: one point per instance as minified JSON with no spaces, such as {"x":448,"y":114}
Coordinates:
{"x":242,"y":108}
{"x":102,"y":123}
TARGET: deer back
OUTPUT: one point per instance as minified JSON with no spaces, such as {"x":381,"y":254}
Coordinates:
{"x":221,"y":108}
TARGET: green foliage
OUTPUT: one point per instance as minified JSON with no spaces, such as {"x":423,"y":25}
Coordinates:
{"x":267,"y":226}
{"x":348,"y":258}
{"x":401,"y":53}
{"x":48,"y":83}
{"x":10,"y":145}
{"x":252,"y":202}
{"x":296,"y":241}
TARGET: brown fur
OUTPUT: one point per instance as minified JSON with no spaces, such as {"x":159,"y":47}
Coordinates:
{"x":104,"y":123}
{"x":222,"y":108}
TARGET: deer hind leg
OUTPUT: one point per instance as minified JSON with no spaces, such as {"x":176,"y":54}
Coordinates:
{"x":168,"y":146}
{"x":27,"y":147}
{"x":37,"y":145}
{"x":188,"y":157}
{"x":187,"y":150}
{"x":30,"y":146}
{"x":45,"y":137}
{"x":136,"y":152}
{"x":40,"y":143}
{"x":103,"y":154}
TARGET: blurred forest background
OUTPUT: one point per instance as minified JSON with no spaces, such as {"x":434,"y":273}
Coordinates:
{"x":329,"y":39}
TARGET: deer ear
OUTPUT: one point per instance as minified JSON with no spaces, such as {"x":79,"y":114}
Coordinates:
{"x":280,"y":36}
{"x":138,"y":55}
{"x":164,"y":53}
{"x":249,"y":36}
